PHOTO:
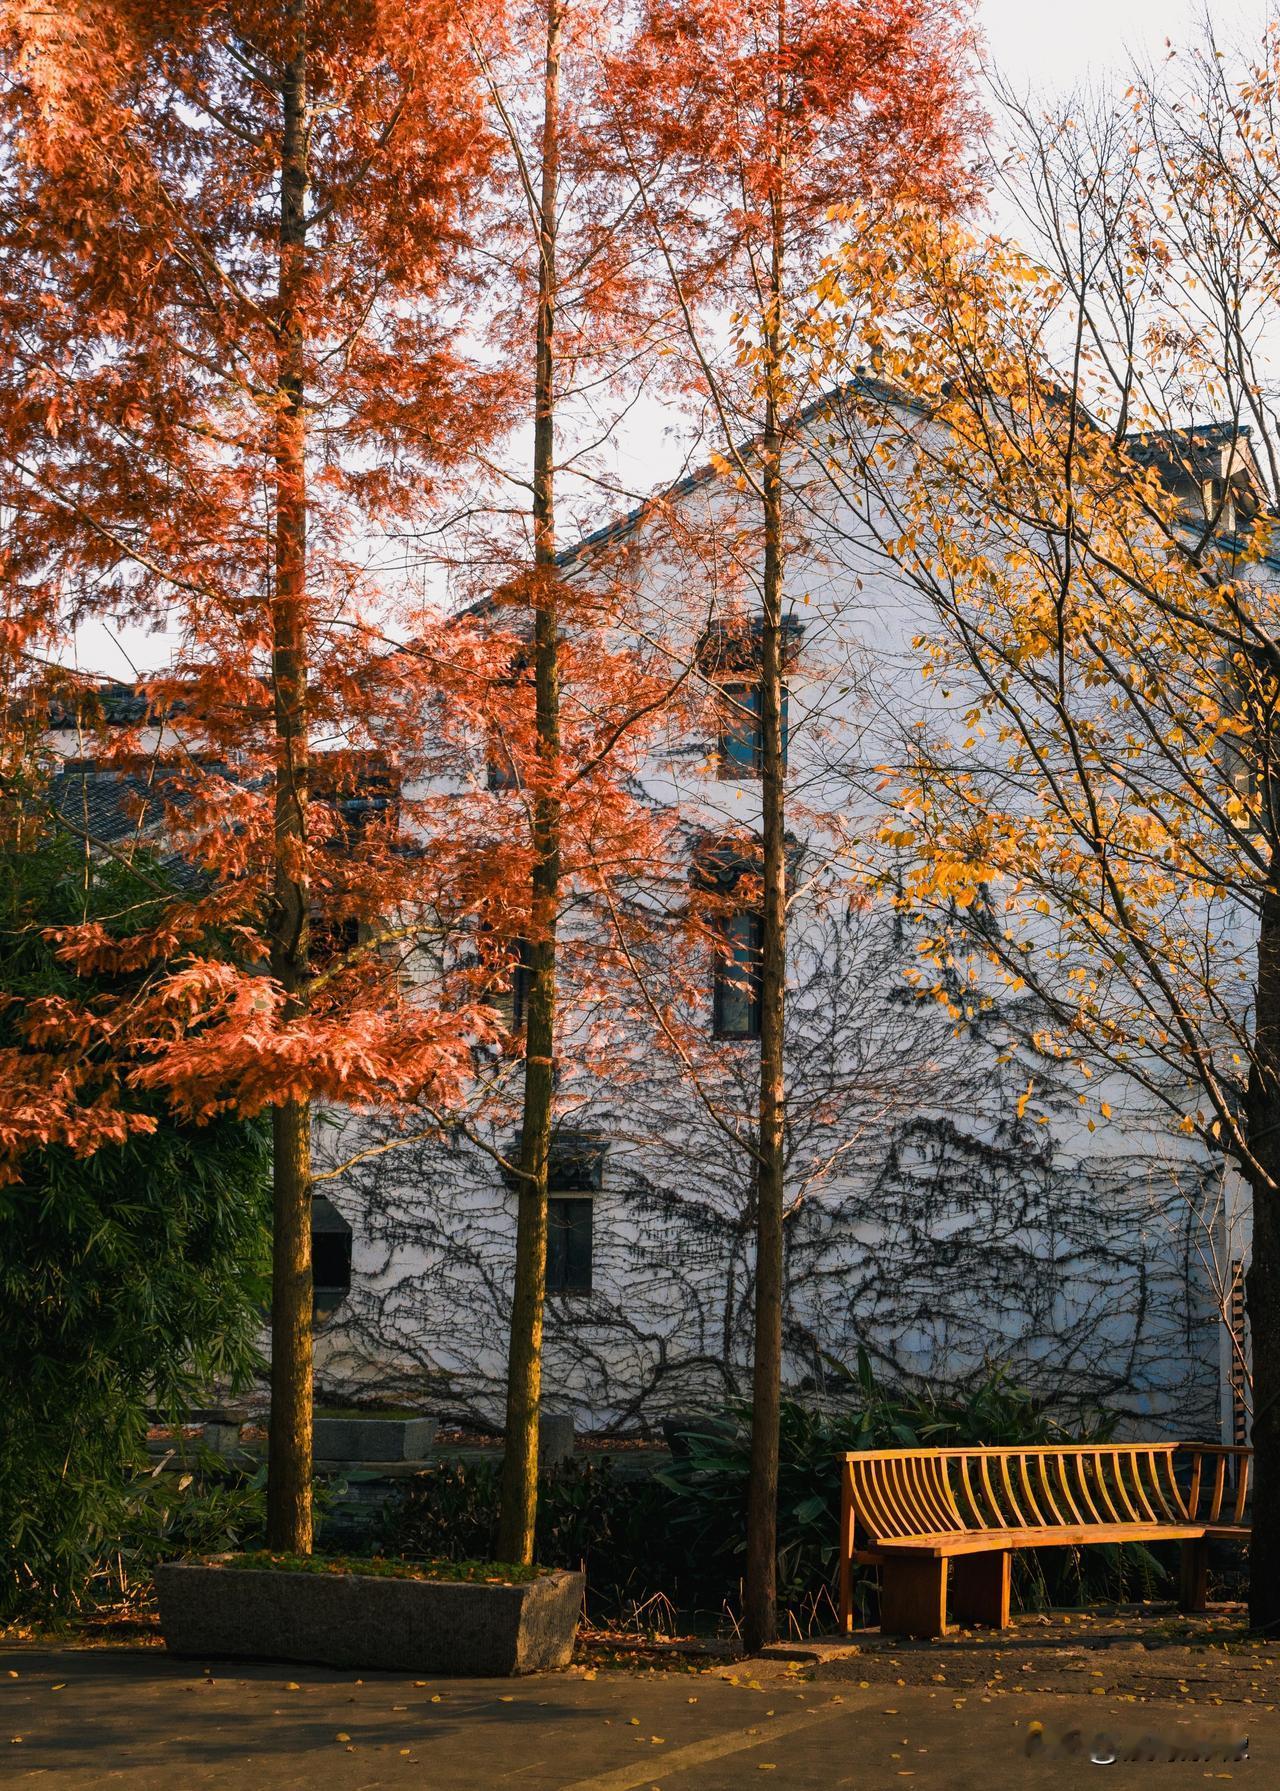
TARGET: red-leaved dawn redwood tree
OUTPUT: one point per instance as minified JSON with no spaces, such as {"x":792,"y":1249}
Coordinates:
{"x":234,"y":245}
{"x":742,"y":125}
{"x":576,"y":329}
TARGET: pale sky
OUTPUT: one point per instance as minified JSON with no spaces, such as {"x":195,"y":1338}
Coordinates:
{"x":1045,"y":45}
{"x":1056,"y":43}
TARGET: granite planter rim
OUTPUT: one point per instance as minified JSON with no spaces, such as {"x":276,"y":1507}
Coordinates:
{"x":210,"y":1608}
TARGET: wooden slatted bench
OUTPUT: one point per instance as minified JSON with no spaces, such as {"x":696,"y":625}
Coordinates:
{"x":911,"y":1511}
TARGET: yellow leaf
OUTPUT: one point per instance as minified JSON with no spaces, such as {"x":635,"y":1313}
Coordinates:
{"x":342,"y":1735}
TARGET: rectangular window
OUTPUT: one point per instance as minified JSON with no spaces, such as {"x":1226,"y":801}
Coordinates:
{"x":740,"y":730}
{"x":508,"y":994}
{"x":736,"y":990}
{"x":569,"y":1237}
{"x":741,"y":739}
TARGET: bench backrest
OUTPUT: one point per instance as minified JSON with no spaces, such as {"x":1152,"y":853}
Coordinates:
{"x":899,"y":1493}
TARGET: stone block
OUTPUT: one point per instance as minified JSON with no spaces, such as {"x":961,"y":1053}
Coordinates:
{"x":555,"y":1439}
{"x":212,"y":1611}
{"x":221,"y":1435}
{"x":373,"y":1438}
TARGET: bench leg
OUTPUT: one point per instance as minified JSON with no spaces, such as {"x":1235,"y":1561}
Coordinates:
{"x":913,"y":1597}
{"x":980,"y":1588}
{"x":846,"y":1555}
{"x":1193,"y":1589}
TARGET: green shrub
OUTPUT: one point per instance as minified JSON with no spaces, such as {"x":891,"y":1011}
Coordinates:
{"x":130,"y":1279}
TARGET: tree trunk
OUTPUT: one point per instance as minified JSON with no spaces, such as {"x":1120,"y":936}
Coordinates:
{"x":289,"y":1524}
{"x":760,"y":1594}
{"x":524,"y":1359}
{"x":289,"y":1438}
{"x":1262,"y":1287}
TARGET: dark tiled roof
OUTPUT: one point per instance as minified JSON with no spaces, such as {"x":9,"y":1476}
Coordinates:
{"x":118,"y":705}
{"x":116,"y":809}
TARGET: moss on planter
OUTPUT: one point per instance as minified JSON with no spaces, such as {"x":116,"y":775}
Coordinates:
{"x":488,"y":1573}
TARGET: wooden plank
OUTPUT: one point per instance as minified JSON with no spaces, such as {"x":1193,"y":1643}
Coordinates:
{"x":1064,"y":1479}
{"x":965,"y":1481}
{"x":1219,"y":1481}
{"x":1028,"y":1490}
{"x":1082,"y":1480}
{"x":1174,"y":1503}
{"x":996,"y":1517}
{"x":1242,"y":1488}
{"x":968,"y":1542}
{"x":1099,"y":1461}
{"x":913,"y":1597}
{"x":869,"y":1497}
{"x":980,"y":1588}
{"x":1130,"y":1510}
{"x":994,"y":1449}
{"x":1193,"y":1496}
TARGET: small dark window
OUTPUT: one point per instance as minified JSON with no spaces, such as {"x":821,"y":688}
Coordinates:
{"x":508,"y":992}
{"x":741,"y":739}
{"x":569,"y":1236}
{"x":330,"y":1256}
{"x":736,"y":989}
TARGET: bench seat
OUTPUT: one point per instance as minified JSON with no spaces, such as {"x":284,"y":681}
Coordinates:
{"x":971,"y":1542}
{"x":912,"y":1511}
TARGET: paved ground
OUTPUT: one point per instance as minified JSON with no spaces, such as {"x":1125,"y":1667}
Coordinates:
{"x":965,"y":1715}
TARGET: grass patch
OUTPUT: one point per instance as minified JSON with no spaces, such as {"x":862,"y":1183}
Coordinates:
{"x":490,"y":1573}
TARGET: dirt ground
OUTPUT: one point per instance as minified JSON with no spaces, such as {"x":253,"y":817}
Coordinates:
{"x":1038,"y":1704}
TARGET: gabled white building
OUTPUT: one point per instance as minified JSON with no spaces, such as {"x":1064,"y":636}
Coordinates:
{"x":937,"y":1221}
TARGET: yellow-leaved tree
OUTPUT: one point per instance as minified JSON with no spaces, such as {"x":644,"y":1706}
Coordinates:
{"x":1070,"y":454}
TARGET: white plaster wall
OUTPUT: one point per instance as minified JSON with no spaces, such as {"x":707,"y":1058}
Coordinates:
{"x":930,"y":1224}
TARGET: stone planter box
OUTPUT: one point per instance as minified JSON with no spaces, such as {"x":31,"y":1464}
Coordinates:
{"x":373,"y":1438}
{"x":448,"y":1627}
